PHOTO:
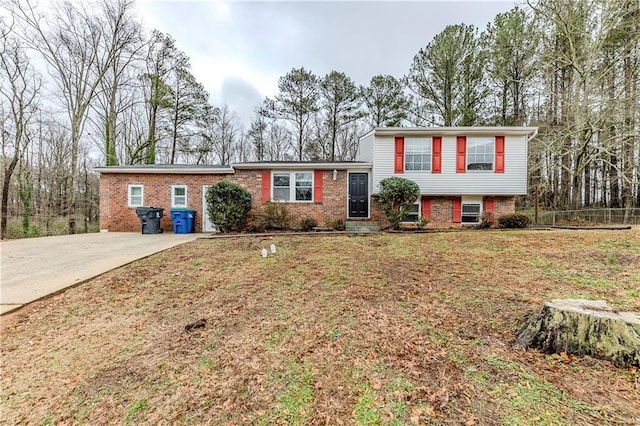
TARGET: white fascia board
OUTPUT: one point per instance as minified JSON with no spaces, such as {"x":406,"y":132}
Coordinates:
{"x":303,"y":166}
{"x":454,"y":131}
{"x":165,"y":170}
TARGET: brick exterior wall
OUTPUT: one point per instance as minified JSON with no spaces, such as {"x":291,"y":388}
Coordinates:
{"x":504,"y":205}
{"x":442,"y":211}
{"x":116,"y":216}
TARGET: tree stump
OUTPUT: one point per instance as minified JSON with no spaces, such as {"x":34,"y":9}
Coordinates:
{"x":584,"y":327}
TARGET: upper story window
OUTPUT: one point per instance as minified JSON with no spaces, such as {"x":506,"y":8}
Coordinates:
{"x":417,"y":154}
{"x":179,"y":196}
{"x":294,"y":186}
{"x":480,"y":153}
{"x":135,"y":195}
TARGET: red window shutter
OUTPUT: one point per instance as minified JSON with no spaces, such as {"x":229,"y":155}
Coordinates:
{"x":461,"y":154}
{"x":436,"y":155}
{"x":266,"y":186}
{"x":426,"y":207}
{"x":489,"y":203}
{"x":499,"y":154}
{"x":317,"y":186}
{"x":457,"y":210}
{"x":399,"y":157}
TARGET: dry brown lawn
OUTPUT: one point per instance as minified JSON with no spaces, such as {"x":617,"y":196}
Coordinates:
{"x":389,"y":329}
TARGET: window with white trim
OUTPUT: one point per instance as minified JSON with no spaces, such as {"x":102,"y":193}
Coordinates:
{"x":292,"y":186}
{"x":178,"y":196}
{"x":413,"y":214}
{"x":417,"y":154}
{"x":480,"y":152}
{"x":135,"y":195}
{"x":471,"y":211}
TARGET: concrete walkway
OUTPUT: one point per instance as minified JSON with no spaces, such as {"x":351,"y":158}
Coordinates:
{"x":32,"y":268}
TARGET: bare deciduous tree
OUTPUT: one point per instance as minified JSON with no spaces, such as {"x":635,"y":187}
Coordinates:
{"x":19,"y":88}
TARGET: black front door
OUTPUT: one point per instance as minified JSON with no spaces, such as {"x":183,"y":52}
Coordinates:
{"x":358,"y":195}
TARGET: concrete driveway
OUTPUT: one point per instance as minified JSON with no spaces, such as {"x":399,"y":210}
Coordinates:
{"x":32,"y":268}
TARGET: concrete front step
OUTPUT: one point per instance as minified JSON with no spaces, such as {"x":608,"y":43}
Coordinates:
{"x":357,"y":226}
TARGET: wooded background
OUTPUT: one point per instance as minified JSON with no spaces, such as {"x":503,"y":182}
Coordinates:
{"x":123,"y":95}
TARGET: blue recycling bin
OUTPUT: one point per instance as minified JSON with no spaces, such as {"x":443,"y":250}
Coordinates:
{"x":183,"y":221}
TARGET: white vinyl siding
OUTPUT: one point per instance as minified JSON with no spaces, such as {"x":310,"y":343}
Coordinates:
{"x":135,"y":195}
{"x":365,"y":149}
{"x":178,"y":196}
{"x":512,"y":182}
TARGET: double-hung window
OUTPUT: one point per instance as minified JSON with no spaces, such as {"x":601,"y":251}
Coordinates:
{"x":135,"y":195}
{"x":480,"y":153}
{"x":471,"y":210}
{"x":417,"y":154}
{"x":292,"y":186}
{"x":413,"y":214}
{"x":178,"y":196}
{"x":471,"y":213}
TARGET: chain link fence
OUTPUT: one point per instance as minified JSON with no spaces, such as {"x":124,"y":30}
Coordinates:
{"x":590,"y":216}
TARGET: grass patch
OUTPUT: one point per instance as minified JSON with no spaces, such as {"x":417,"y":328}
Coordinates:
{"x":367,"y":412}
{"x":134,"y":414}
{"x":389,"y":329}
{"x":294,"y":403}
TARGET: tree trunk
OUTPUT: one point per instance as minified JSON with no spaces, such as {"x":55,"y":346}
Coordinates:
{"x":5,"y":196}
{"x":584,"y":327}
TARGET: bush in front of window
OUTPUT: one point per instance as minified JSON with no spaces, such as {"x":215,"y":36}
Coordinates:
{"x":514,"y":221}
{"x":271,"y":216}
{"x":397,"y":195}
{"x":228,"y":205}
{"x":307,"y":224}
{"x":422,"y":222}
{"x":487,"y":220}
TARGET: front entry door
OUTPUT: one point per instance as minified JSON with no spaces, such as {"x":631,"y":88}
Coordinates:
{"x":358,"y":195}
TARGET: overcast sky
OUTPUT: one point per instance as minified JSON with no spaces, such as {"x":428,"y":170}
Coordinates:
{"x":239,"y":49}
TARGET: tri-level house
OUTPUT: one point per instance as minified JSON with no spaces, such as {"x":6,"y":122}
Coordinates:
{"x":461,"y":172}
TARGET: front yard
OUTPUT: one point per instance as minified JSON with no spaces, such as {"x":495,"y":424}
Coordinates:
{"x":390,"y":329}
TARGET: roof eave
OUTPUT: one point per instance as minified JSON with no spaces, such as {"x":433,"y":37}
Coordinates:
{"x":177,"y":170}
{"x":452,"y":131}
{"x":303,"y":166}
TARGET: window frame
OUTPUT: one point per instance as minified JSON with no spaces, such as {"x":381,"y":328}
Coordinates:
{"x":293,"y":185}
{"x":471,"y":141}
{"x":471,"y":201}
{"x":425,"y":144}
{"x":411,"y":213}
{"x":173,"y":197}
{"x":130,"y":195}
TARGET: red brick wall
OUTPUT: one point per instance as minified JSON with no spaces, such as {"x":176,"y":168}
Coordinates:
{"x":504,"y":205}
{"x":116,"y":216}
{"x":442,"y":211}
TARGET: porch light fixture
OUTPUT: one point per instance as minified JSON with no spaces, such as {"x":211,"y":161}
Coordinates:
{"x":335,"y":174}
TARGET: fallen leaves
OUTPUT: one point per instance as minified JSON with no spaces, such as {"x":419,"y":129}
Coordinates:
{"x":412,"y":317}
